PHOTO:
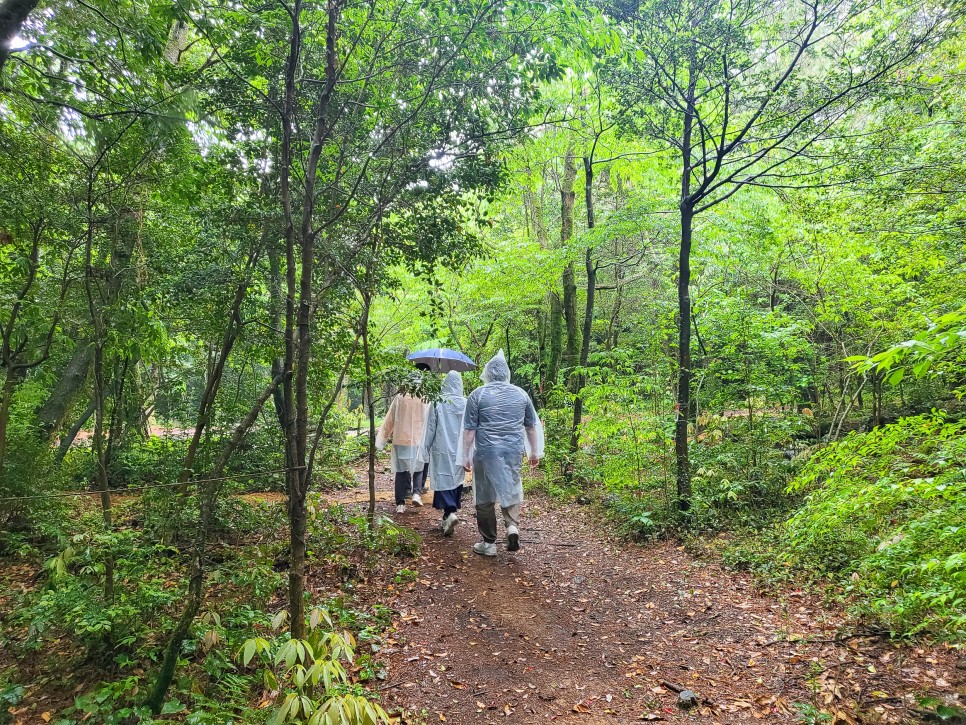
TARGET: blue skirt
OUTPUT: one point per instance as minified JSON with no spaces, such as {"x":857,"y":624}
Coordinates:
{"x":451,"y":499}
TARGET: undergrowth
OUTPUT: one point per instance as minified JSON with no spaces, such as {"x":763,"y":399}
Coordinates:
{"x":99,"y":654}
{"x":877,"y":519}
{"x":740,"y":474}
{"x":883,"y":519}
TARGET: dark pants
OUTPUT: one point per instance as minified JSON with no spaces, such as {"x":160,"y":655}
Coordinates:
{"x":408,"y":483}
{"x":448,"y":501}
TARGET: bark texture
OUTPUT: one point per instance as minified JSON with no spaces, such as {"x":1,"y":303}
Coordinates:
{"x":13,"y":13}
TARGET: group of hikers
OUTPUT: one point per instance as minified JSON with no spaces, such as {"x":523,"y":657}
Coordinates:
{"x":489,"y":433}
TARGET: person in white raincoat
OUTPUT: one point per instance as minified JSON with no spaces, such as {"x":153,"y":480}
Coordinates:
{"x":404,"y":425}
{"x":500,"y":426}
{"x":440,"y":444}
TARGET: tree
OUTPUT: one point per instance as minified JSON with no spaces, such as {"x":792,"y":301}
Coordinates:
{"x":745,"y":93}
{"x":362,"y":139}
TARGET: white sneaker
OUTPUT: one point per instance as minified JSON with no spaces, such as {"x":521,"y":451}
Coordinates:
{"x":449,"y":523}
{"x":417,"y":501}
{"x":484,"y":549}
{"x":401,"y":508}
{"x":512,"y":538}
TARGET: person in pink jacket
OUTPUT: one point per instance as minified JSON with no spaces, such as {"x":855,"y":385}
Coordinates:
{"x":404,"y":425}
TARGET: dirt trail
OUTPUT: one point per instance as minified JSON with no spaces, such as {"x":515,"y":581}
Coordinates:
{"x":578,"y":627}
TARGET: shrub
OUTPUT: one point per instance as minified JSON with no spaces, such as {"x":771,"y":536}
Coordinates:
{"x":72,"y":601}
{"x":310,"y":675}
{"x":28,"y":474}
{"x":742,"y":470}
{"x":884,"y":516}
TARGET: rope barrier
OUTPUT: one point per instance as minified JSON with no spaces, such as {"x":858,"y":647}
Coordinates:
{"x":95,"y":492}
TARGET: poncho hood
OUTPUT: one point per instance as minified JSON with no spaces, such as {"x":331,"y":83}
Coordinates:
{"x":452,"y":385}
{"x":497,"y":370}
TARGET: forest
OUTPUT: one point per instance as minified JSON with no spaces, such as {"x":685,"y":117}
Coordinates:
{"x":721,"y":244}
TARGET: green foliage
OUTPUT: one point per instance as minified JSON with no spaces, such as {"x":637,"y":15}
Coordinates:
{"x":939,"y":711}
{"x":811,"y":715}
{"x":742,"y":462}
{"x":626,"y":436}
{"x":634,"y":515}
{"x":113,"y":704}
{"x":408,"y":380}
{"x":28,"y":470}
{"x":140,"y":463}
{"x":743,"y":468}
{"x":72,"y":603}
{"x":883,"y":517}
{"x":939,"y":350}
{"x":10,"y":696}
{"x":336,"y":530}
{"x":310,"y":675}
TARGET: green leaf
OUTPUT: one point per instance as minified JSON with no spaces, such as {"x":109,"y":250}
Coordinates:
{"x":171,"y":707}
{"x":290,"y":701}
{"x":950,"y":712}
{"x":269,"y":679}
{"x":248,"y":651}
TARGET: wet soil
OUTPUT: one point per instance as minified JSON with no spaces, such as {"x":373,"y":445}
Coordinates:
{"x":581,"y":627}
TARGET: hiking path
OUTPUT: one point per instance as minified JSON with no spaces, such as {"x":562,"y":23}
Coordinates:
{"x":580,"y":626}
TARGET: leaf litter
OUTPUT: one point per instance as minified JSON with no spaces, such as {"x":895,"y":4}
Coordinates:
{"x":607,"y":631}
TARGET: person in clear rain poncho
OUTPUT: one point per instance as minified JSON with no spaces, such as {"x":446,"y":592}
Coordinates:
{"x":500,"y":426}
{"x":404,"y":425}
{"x":440,"y":445}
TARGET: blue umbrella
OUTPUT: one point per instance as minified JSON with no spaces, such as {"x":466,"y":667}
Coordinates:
{"x":442,"y":360}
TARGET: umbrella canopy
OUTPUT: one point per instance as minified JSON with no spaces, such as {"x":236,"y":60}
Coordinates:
{"x":442,"y":360}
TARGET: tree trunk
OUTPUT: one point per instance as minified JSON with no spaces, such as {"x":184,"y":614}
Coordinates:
{"x":51,"y":414}
{"x":67,"y":441}
{"x":100,"y":454}
{"x":115,"y":431}
{"x":13,"y":13}
{"x":534,"y":204}
{"x":581,"y":379}
{"x":99,"y":325}
{"x":684,"y":406}
{"x":567,"y":199}
{"x":555,"y":335}
{"x":276,"y":303}
{"x":571,"y":350}
{"x":684,"y":412}
{"x":298,"y":338}
{"x":370,"y":408}
{"x":591,"y":269}
{"x":275,"y":292}
{"x":5,"y":400}
{"x":540,"y":400}
{"x":296,"y":507}
{"x":298,"y":525}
